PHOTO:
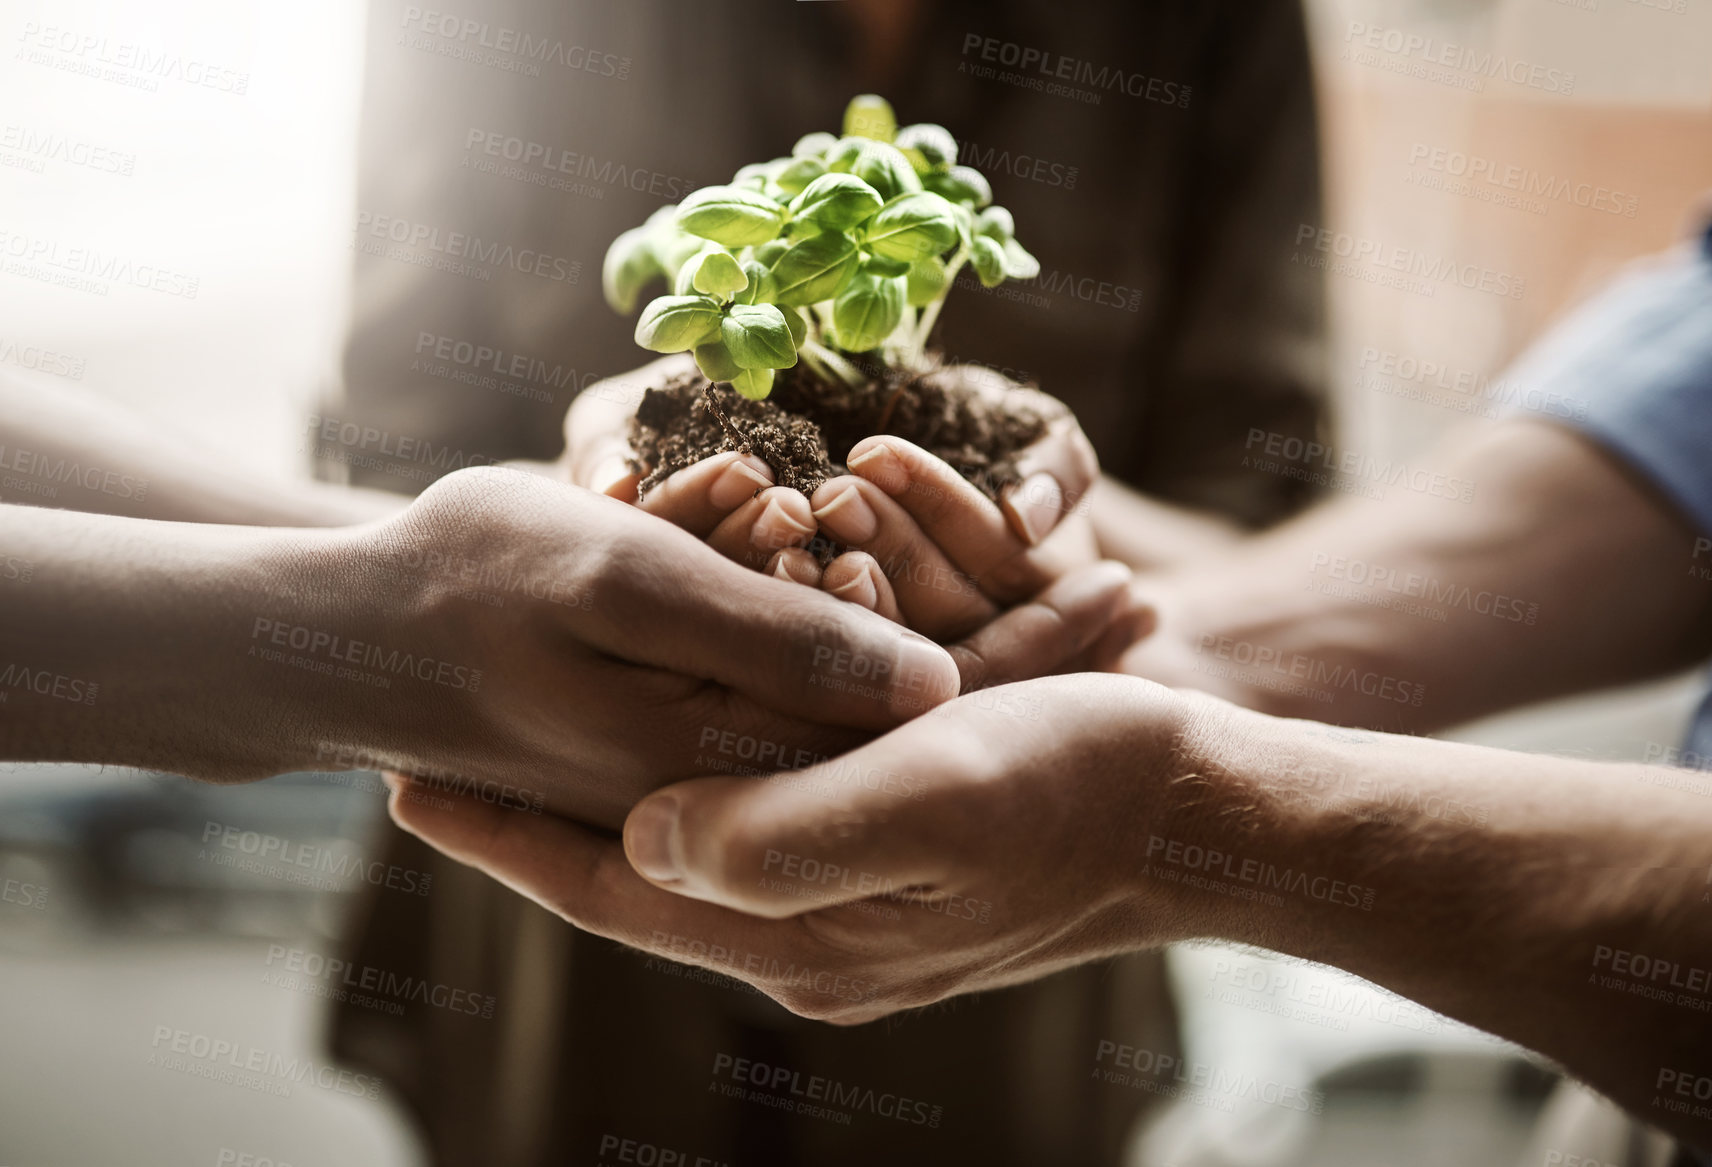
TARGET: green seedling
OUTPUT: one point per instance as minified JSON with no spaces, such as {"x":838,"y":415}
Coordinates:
{"x":850,"y":245}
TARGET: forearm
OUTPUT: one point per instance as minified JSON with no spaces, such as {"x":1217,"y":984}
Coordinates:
{"x":1149,"y":535}
{"x":76,"y":451}
{"x":1398,"y":858}
{"x":1417,"y":610}
{"x":132,"y":642}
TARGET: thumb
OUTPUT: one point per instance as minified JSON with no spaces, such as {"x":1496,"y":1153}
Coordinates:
{"x":783,"y":846}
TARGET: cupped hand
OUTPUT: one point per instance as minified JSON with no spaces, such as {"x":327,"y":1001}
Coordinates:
{"x":533,"y":635}
{"x":992,"y":841}
{"x":926,"y":547}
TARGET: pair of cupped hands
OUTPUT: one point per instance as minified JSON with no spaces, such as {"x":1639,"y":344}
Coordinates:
{"x":830,"y":820}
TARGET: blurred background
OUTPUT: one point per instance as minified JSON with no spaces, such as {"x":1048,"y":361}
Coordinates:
{"x":142,"y":912}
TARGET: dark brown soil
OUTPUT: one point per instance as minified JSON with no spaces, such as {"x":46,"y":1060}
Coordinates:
{"x":806,"y":428}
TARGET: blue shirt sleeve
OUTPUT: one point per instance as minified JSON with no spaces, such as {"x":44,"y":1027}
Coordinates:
{"x":1635,"y":366}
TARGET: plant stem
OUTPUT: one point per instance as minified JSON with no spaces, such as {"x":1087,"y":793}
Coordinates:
{"x":826,"y":360}
{"x":930,"y":314}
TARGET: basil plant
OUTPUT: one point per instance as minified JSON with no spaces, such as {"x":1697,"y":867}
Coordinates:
{"x":849,"y":245}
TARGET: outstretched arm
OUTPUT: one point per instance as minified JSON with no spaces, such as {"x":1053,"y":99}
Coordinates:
{"x":1044,"y":824}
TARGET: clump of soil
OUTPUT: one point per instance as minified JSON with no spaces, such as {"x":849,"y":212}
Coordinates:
{"x":806,"y":428}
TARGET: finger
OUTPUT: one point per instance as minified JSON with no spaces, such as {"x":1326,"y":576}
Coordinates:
{"x":1057,"y":473}
{"x":855,"y":577}
{"x":799,"y":842}
{"x":597,"y":425}
{"x":777,"y":518}
{"x":795,"y":565}
{"x":680,"y":606}
{"x":966,"y":525}
{"x":699,"y":497}
{"x":1049,"y":632}
{"x":934,"y":596}
{"x":578,"y":875}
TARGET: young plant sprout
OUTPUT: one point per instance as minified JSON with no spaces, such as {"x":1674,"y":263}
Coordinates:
{"x":848,"y":246}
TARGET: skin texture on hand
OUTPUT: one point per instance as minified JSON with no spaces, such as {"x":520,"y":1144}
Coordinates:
{"x":924,"y":546}
{"x":1023,"y":829}
{"x":523,"y":638}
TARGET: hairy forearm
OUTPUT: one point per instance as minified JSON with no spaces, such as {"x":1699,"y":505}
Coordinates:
{"x":133,"y":642}
{"x":1417,"y":611}
{"x":1583,"y":888}
{"x":72,"y":449}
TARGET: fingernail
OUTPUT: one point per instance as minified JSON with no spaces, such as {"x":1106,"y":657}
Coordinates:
{"x":739,"y":481}
{"x":1092,"y":587}
{"x":881,"y":465}
{"x":849,"y":517}
{"x":859,"y":589}
{"x":651,"y":839}
{"x":1035,"y":506}
{"x":926,"y":676}
{"x":778,"y":528}
{"x":781,"y":569}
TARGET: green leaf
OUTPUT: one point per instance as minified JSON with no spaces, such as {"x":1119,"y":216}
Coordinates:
{"x":758,"y":337}
{"x":995,"y":223}
{"x":754,"y":384}
{"x":717,"y":273}
{"x":867,"y":310}
{"x":816,"y":268}
{"x":926,"y":281}
{"x":628,"y":267}
{"x":988,"y":256}
{"x":881,"y":265}
{"x":884,"y":168}
{"x":1019,"y":264}
{"x":798,"y":326}
{"x":802,"y":171}
{"x":933,"y":144}
{"x":965,"y":223}
{"x":674,"y":324}
{"x":730,"y":215}
{"x":714,"y":361}
{"x":761,"y":286}
{"x":870,"y":116}
{"x":960,"y":184}
{"x":768,"y":253}
{"x":842,"y":156}
{"x":814,"y":145}
{"x":836,"y":202}
{"x":912,"y":226}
